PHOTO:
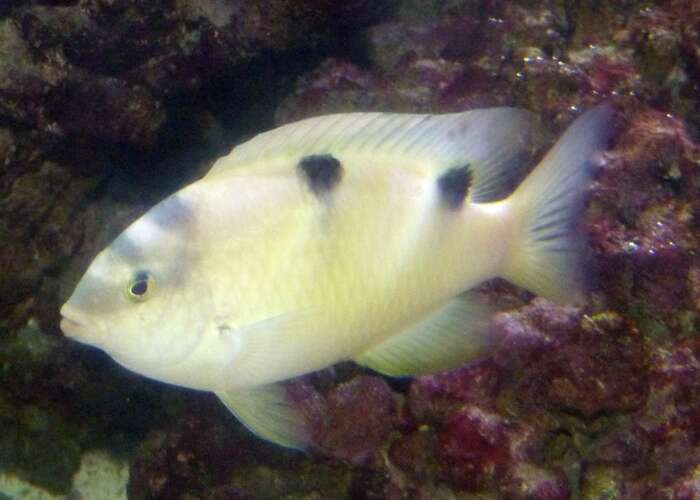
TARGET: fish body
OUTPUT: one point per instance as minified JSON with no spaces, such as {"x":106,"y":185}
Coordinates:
{"x":351,"y":236}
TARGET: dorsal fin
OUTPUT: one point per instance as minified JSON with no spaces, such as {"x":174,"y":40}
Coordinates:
{"x":491,"y":141}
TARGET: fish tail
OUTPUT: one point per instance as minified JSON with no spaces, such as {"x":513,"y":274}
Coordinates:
{"x":548,"y":255}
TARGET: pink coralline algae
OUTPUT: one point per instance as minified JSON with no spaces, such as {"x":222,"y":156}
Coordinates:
{"x":574,"y":362}
{"x":474,"y":447}
{"x":500,"y":422}
{"x":562,"y":384}
{"x":642,"y":221}
{"x":351,"y":421}
{"x":437,"y":396}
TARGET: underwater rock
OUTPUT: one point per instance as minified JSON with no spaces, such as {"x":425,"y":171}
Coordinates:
{"x":54,"y":407}
{"x":197,"y":453}
{"x":351,"y":420}
{"x":50,"y":94}
{"x":474,"y":447}
{"x":587,"y":364}
{"x":671,"y":417}
{"x":106,"y":70}
{"x":549,"y":360}
{"x":432,"y":398}
{"x":654,"y":451}
{"x":100,"y":477}
{"x":418,"y":67}
{"x":414,"y":454}
{"x":642,"y":223}
{"x":168,"y":463}
{"x":354,"y":419}
{"x":529,"y":481}
{"x":38,"y":198}
{"x":205,"y":453}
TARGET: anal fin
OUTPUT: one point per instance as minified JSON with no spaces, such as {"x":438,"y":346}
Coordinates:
{"x":451,"y":336}
{"x":266,"y":411}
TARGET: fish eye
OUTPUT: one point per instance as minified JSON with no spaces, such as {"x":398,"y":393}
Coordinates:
{"x":140,"y":286}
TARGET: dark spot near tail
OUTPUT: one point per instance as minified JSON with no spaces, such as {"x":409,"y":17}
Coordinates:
{"x":322,"y":172}
{"x":454,"y":186}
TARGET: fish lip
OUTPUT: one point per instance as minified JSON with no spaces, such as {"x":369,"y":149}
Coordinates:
{"x":70,"y":325}
{"x":75,"y":326}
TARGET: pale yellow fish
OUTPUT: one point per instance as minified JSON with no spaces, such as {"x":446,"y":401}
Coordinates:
{"x":348,"y":236}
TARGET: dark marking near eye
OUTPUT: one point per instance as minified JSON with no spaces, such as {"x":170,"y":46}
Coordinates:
{"x":125,"y":247}
{"x":454,"y":186}
{"x":322,"y":172}
{"x":171,"y":213}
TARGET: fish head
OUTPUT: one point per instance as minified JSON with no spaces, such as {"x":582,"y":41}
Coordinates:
{"x":142,"y":300}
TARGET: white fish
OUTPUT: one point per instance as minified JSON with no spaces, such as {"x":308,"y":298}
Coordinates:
{"x":347,"y":236}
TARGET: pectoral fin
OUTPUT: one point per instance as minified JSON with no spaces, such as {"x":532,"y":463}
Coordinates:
{"x":278,"y":348}
{"x":451,"y":336}
{"x":266,"y":411}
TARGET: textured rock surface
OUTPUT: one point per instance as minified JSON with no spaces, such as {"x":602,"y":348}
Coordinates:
{"x":107,"y":106}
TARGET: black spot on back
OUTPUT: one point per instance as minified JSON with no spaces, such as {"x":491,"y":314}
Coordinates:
{"x":454,"y":186}
{"x":322,"y":172}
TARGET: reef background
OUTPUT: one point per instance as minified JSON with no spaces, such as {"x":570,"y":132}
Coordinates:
{"x":107,"y":106}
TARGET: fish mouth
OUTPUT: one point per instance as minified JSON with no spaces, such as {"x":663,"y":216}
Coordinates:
{"x":76,"y":326}
{"x":69,"y":326}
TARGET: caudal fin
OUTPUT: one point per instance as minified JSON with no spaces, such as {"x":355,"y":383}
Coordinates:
{"x":547,"y":252}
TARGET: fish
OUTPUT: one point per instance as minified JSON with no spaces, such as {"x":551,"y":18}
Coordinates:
{"x":355,"y":236}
